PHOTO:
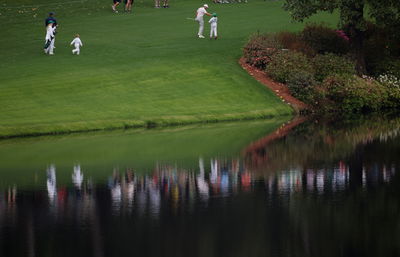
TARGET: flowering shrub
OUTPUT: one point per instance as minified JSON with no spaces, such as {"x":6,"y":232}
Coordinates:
{"x":301,"y":85}
{"x":316,"y":70}
{"x":342,"y":35}
{"x":392,"y":84}
{"x":259,"y":49}
{"x":324,"y":39}
{"x":331,"y":64}
{"x":293,"y":41}
{"x":390,"y":80}
{"x":355,"y":94}
{"x":285,"y":63}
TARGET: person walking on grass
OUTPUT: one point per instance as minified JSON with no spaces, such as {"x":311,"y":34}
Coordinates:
{"x":199,"y":18}
{"x":213,"y":22}
{"x":128,"y":5}
{"x":50,"y":38}
{"x":114,"y":6}
{"x":165,"y":4}
{"x":77,"y":44}
{"x":50,"y":18}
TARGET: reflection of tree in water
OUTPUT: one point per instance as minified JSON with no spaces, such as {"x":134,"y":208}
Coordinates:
{"x":315,"y":143}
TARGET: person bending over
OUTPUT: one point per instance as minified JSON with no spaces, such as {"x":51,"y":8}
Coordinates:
{"x":199,"y":18}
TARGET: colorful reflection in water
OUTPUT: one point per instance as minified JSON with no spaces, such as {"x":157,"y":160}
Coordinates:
{"x":179,"y":188}
{"x":335,"y":195}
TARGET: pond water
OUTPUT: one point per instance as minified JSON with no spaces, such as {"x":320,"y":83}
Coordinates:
{"x":261,"y":188}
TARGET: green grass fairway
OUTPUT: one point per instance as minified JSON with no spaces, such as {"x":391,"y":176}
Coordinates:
{"x":140,"y":69}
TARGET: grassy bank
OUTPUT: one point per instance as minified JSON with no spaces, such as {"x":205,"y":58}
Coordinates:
{"x":135,"y":70}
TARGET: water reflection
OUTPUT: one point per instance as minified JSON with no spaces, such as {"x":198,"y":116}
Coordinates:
{"x":178,"y":188}
{"x":281,"y":197}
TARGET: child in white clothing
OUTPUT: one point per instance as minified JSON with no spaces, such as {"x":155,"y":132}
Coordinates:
{"x":77,"y":43}
{"x":213,"y":22}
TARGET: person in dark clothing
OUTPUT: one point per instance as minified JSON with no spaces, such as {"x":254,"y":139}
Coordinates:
{"x":50,"y":18}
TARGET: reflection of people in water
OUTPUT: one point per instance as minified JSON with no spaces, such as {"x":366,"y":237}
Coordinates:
{"x":155,"y":198}
{"x":12,"y":195}
{"x":11,"y":200}
{"x":245,"y":180}
{"x":122,"y":191}
{"x":77,"y":177}
{"x":51,"y":183}
{"x":129,"y":189}
{"x":115,"y":188}
{"x":214,"y":171}
{"x":202,"y":185}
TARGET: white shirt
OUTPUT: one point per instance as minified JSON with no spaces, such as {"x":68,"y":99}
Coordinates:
{"x":213,"y":21}
{"x":77,"y":42}
{"x":200,"y":12}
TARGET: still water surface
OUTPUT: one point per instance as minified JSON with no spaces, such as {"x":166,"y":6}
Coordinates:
{"x":245,"y":189}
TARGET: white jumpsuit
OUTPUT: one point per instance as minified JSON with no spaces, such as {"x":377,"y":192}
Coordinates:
{"x":77,"y":43}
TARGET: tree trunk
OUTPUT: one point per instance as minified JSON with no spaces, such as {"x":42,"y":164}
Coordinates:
{"x":357,"y":50}
{"x":352,"y":14}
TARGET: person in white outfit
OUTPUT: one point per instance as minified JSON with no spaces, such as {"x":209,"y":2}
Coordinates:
{"x":50,"y":38}
{"x":213,"y":22}
{"x":199,"y":18}
{"x":77,"y":43}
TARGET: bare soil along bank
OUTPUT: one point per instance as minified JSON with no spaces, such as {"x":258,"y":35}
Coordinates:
{"x":279,"y":89}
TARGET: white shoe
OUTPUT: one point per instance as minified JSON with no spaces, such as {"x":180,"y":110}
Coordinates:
{"x":113,"y":7}
{"x":201,"y":36}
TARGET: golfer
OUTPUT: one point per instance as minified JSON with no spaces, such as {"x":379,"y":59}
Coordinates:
{"x":199,"y":18}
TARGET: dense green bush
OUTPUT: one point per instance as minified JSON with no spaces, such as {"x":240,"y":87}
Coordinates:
{"x":382,"y":51}
{"x":301,"y":85}
{"x":331,"y":64}
{"x":314,"y":66}
{"x":384,"y":65}
{"x":259,"y":49}
{"x":324,"y":39}
{"x":355,"y":94}
{"x":285,"y":63}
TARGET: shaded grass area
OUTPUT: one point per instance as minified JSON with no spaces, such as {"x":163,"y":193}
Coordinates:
{"x":24,"y":160}
{"x":135,"y":70}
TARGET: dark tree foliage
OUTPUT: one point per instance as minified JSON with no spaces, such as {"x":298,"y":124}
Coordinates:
{"x":353,"y":16}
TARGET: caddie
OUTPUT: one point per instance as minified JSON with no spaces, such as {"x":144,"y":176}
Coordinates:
{"x":50,"y":38}
{"x":50,"y":18}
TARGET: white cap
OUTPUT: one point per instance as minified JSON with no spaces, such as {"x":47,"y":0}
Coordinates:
{"x":205,"y":5}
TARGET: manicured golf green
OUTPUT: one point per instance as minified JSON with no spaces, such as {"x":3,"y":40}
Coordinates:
{"x":141,"y":69}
